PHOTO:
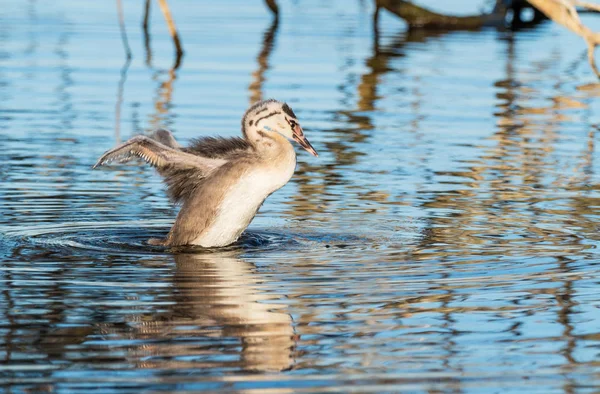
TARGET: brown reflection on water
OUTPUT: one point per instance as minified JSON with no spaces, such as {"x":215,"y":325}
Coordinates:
{"x":502,"y":192}
{"x":162,"y":116}
{"x":503,"y":207}
{"x":315,"y":179}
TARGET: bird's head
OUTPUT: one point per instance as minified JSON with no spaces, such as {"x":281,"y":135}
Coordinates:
{"x":270,"y":116}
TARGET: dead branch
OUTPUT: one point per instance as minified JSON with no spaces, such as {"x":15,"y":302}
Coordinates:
{"x":564,"y":12}
{"x":421,"y":17}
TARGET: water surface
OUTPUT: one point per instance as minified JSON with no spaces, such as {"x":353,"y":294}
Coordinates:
{"x":444,"y":241}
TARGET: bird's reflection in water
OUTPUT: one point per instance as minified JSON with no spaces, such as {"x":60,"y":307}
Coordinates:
{"x":209,"y":313}
{"x":224,"y":291}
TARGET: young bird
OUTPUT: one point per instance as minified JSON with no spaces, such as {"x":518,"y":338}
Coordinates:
{"x":221,"y":182}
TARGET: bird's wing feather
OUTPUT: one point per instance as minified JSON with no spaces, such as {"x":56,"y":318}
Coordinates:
{"x":183,"y":172}
{"x":159,"y":156}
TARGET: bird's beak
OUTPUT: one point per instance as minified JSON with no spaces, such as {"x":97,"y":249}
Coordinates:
{"x":299,"y":137}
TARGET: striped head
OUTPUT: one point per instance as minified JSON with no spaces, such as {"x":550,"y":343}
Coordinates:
{"x":272,"y":116}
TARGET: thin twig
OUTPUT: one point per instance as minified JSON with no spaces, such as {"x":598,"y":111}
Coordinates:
{"x":164,"y":7}
{"x":145,"y":25}
{"x":146,"y":15}
{"x":123,"y":31}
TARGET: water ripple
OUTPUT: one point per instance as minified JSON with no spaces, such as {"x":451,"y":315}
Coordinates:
{"x":446,"y":239}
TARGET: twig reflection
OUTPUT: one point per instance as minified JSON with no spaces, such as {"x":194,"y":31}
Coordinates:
{"x":258,"y":76}
{"x":162,"y":101}
{"x":145,"y":27}
{"x":316,"y":180}
{"x":123,"y":30}
{"x":119,"y":103}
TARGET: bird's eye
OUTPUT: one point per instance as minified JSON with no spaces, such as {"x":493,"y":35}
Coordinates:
{"x":292,"y":124}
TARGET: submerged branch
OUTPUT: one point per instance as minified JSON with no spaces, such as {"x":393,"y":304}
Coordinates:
{"x":417,"y":16}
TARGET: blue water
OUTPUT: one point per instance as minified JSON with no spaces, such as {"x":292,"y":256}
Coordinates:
{"x":445,"y":240}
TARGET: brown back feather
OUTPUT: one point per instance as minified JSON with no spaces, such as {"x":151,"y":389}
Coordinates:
{"x":183,"y":183}
{"x":218,"y":147}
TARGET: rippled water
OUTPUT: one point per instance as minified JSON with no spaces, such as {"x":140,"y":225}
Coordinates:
{"x":446,"y":240}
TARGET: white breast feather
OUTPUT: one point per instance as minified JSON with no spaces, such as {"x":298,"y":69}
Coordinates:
{"x":241,"y":204}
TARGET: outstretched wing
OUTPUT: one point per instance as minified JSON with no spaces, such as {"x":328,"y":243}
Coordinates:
{"x":158,"y":155}
{"x":183,"y":171}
